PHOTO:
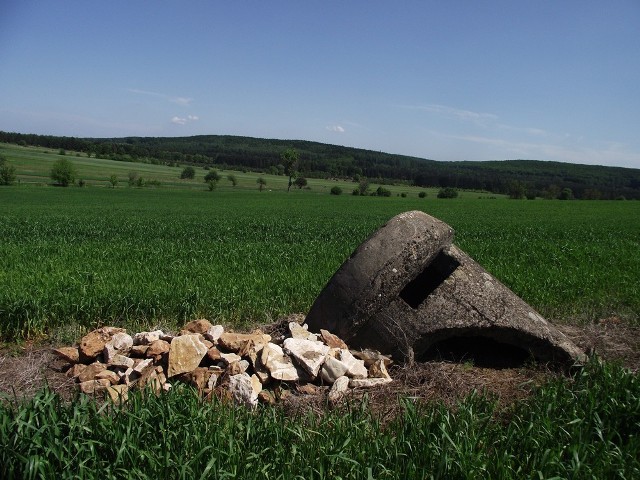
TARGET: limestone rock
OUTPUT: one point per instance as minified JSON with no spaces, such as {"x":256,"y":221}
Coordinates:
{"x":139,"y":351}
{"x":265,"y":396}
{"x":238,"y":367}
{"x":230,"y":358}
{"x":185,"y":354}
{"x":331,"y":340}
{"x":92,"y":344}
{"x":301,"y":332}
{"x":70,"y":354}
{"x":142,"y":364}
{"x":145,"y":338}
{"x":339,"y":387}
{"x":94,"y":386}
{"x":308,"y":354}
{"x":332,"y":369}
{"x":121,"y":342}
{"x":355,"y":367}
{"x":367,"y":382}
{"x":91,"y":371}
{"x":371,"y":356}
{"x":214,"y":354}
{"x":278,"y":364}
{"x":118,"y":394}
{"x":214,"y":333}
{"x":200,"y":326}
{"x":157,"y":347}
{"x":113,"y":377}
{"x":120,"y":361}
{"x":378,"y":370}
{"x":76,"y":370}
{"x":242,"y":390}
{"x":235,"y":342}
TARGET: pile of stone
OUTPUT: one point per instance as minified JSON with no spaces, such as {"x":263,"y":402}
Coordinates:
{"x":246,"y":367}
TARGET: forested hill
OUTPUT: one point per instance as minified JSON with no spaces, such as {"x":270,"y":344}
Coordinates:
{"x":324,"y":160}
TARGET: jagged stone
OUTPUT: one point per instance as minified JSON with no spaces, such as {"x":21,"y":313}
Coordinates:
{"x":157,"y":347}
{"x":118,"y":394}
{"x":308,"y":354}
{"x":278,"y":364}
{"x":76,"y":370}
{"x":378,"y":370}
{"x":331,"y":340}
{"x":407,"y":291}
{"x":355,"y":367}
{"x":142,"y":364}
{"x":92,"y":344}
{"x":200,"y":326}
{"x":120,"y":361}
{"x":367,"y":382}
{"x":185,"y":354}
{"x":332,"y":369}
{"x":230,"y":358}
{"x":339,"y":387}
{"x":238,"y":367}
{"x":265,"y":396}
{"x":371,"y":356}
{"x":241,"y":388}
{"x":91,"y":371}
{"x":236,"y":342}
{"x":139,"y":351}
{"x":94,"y":386}
{"x":145,"y":338}
{"x":214,"y":354}
{"x":121,"y":343}
{"x":70,"y":354}
{"x":113,"y":377}
{"x":301,"y":332}
{"x":214,"y":332}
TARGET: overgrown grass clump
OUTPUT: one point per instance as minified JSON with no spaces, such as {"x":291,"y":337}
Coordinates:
{"x":587,"y":427}
{"x":131,"y":257}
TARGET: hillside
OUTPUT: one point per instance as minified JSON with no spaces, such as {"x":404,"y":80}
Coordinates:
{"x":531,"y":177}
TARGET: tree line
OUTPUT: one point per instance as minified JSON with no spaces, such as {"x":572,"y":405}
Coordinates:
{"x":319,"y":160}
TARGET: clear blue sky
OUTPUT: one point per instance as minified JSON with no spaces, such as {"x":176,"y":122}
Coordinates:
{"x":447,"y":80}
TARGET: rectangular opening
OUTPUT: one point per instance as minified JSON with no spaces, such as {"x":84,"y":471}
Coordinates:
{"x":418,"y":289}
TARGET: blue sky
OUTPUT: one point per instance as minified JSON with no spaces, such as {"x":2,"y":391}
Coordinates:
{"x":456,"y":80}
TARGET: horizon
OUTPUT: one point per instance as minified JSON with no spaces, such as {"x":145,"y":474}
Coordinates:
{"x":456,"y":82}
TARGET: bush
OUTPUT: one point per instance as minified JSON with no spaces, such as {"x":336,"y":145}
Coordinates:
{"x":212,"y":176}
{"x":7,"y":172}
{"x":422,"y":194}
{"x":300,"y":182}
{"x":447,"y":192}
{"x":233,"y":179}
{"x":356,"y":191}
{"x":383,"y":192}
{"x":188,"y":173}
{"x":63,"y":172}
{"x":403,"y":195}
{"x":336,"y":190}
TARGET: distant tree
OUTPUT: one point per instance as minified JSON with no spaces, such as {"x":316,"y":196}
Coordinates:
{"x":383,"y":192}
{"x":132,"y":176}
{"x":140,"y":182}
{"x":113,"y":180}
{"x":566,"y":194}
{"x":516,"y":190}
{"x":63,"y":172}
{"x":422,"y":194}
{"x":592,"y":194}
{"x":290,"y":161}
{"x":62,"y":152}
{"x":261,"y":183}
{"x":212,"y":176}
{"x":336,"y":190}
{"x":447,"y":192}
{"x":300,"y":182}
{"x":363,"y":186}
{"x":81,"y":183}
{"x":233,"y":179}
{"x":552,"y":192}
{"x":188,"y":173}
{"x":7,"y":172}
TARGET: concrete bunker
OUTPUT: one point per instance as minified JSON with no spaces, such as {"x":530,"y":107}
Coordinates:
{"x":410,"y":292}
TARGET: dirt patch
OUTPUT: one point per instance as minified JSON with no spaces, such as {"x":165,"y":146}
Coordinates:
{"x":24,"y":371}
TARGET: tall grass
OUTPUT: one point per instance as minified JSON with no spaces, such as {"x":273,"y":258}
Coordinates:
{"x":128,"y":256}
{"x":584,"y":428}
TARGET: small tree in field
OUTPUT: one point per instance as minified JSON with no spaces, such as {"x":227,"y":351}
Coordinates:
{"x":447,"y":192}
{"x":336,"y":190}
{"x":261,"y":183}
{"x":290,"y":161}
{"x":7,"y":172}
{"x":113,"y":180}
{"x":233,"y":179}
{"x":300,"y":182}
{"x":63,"y":172}
{"x":188,"y":173}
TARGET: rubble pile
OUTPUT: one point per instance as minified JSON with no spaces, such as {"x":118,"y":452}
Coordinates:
{"x":246,"y":367}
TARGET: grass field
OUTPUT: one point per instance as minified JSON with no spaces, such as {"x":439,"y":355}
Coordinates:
{"x":91,"y":256}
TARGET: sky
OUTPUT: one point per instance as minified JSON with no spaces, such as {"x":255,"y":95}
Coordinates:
{"x":554,"y":80}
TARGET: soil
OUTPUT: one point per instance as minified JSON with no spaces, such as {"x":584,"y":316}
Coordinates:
{"x":24,"y":370}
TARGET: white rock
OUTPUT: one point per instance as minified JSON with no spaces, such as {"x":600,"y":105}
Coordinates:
{"x":145,"y":338}
{"x":308,"y":354}
{"x":332,"y":369}
{"x":213,"y":380}
{"x":278,"y":364}
{"x":213,"y":334}
{"x":122,"y":342}
{"x":142,"y":365}
{"x":238,"y":367}
{"x":301,"y":332}
{"x":367,"y":382}
{"x":338,"y":388}
{"x":185,"y":354}
{"x":355,"y":367}
{"x":230,"y":357}
{"x":242,"y":390}
{"x":121,"y":361}
{"x":378,"y":370}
